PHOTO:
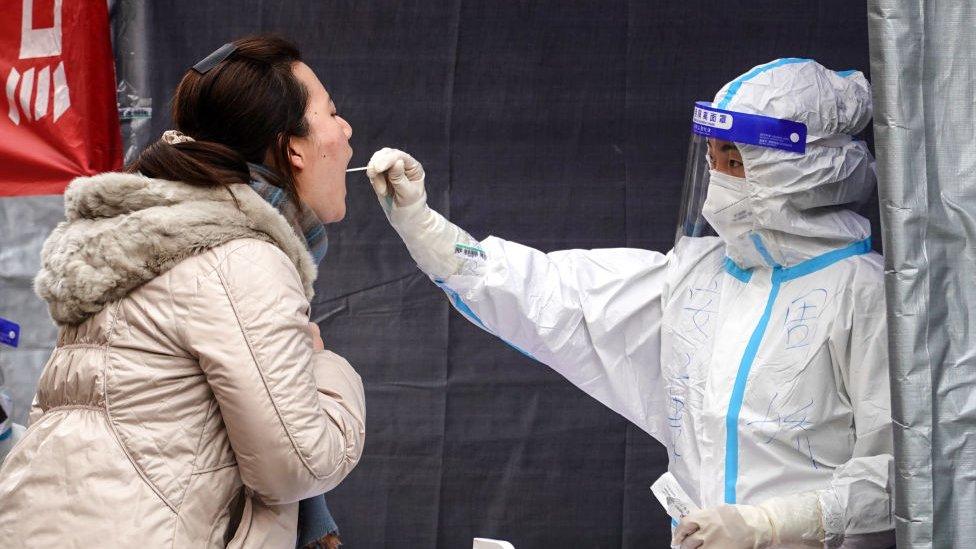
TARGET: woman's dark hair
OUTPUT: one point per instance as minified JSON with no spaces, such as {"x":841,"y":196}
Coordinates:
{"x":242,"y":109}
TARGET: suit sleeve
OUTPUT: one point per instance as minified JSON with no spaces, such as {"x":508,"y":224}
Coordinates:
{"x":594,"y":316}
{"x":859,"y":499}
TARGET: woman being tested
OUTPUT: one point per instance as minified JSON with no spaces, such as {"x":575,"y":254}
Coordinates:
{"x":757,"y":357}
{"x":189,"y":402}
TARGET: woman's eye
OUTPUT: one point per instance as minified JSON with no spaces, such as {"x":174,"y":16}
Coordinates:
{"x":735,"y":164}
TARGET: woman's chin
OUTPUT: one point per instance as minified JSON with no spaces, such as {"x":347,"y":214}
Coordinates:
{"x":334,"y":215}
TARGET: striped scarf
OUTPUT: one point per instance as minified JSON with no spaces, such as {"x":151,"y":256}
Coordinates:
{"x":301,"y":218}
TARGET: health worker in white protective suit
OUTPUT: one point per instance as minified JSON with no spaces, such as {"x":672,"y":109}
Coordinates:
{"x":758,"y":357}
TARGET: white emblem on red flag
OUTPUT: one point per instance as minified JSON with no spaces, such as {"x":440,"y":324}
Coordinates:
{"x":21,"y":88}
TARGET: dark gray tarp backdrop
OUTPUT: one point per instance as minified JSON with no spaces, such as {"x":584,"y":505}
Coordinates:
{"x":557,"y":124}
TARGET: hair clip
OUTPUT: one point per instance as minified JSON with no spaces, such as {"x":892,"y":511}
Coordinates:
{"x":175,"y":137}
{"x":211,"y":61}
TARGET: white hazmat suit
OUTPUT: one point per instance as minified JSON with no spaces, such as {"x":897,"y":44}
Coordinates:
{"x":758,"y":358}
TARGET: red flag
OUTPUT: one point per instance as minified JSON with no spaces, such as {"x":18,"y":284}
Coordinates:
{"x":58,"y":114}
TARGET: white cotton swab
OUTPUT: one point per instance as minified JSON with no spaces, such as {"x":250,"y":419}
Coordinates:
{"x":350,"y":170}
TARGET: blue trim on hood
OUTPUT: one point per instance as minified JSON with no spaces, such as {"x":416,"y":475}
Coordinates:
{"x":737,"y":83}
{"x":761,"y":248}
{"x":743,"y":275}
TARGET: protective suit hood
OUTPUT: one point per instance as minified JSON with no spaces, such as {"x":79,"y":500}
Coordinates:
{"x":800,"y":203}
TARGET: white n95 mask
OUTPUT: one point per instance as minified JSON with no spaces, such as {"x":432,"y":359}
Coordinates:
{"x":727,"y":206}
{"x":729,"y":209}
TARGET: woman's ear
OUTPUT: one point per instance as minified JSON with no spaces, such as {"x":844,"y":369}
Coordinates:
{"x":295,"y":154}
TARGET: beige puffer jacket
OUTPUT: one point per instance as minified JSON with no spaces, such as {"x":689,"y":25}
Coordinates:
{"x":184,"y":405}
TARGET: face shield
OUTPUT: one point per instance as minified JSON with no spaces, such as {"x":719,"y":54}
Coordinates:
{"x":714,"y":133}
{"x":6,"y":412}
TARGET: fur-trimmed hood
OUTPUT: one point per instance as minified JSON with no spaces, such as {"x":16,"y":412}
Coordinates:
{"x":123,"y":230}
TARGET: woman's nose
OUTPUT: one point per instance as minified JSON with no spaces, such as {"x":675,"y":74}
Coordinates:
{"x":346,"y":128}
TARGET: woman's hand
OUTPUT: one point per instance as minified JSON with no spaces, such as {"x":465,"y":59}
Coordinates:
{"x":317,"y":343}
